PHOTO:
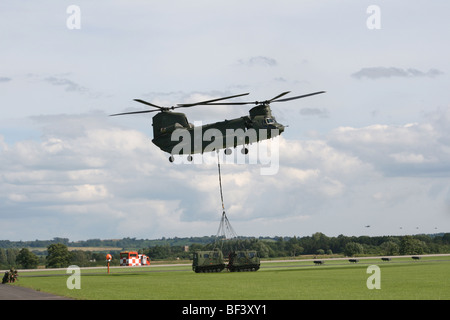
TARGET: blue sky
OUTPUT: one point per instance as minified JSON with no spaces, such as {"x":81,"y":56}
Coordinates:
{"x":374,"y":150}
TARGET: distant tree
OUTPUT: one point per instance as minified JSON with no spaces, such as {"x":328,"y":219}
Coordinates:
{"x":353,"y":248}
{"x":64,"y":241}
{"x":296,"y":250}
{"x":58,"y":256}
{"x":79,"y":258}
{"x":410,"y":245}
{"x":389,"y":248}
{"x":3,"y":258}
{"x":11,"y":255}
{"x":27,"y":259}
{"x":320,"y":241}
{"x":195,"y":247}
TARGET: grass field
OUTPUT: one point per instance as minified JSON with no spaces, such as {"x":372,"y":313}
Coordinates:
{"x":401,"y":278}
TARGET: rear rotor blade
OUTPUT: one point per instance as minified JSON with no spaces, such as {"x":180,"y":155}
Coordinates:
{"x":144,"y":111}
{"x":178,"y":106}
{"x":132,"y":112}
{"x":148,"y":103}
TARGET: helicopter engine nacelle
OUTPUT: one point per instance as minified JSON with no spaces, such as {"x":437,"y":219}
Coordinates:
{"x":260,"y":110}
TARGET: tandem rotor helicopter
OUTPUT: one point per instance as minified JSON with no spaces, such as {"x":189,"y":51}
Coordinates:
{"x":173,"y":133}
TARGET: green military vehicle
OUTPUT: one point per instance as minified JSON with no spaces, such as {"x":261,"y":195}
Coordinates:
{"x":246,"y":260}
{"x":208,"y":261}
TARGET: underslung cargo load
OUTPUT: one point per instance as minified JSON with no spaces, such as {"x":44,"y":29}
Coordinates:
{"x":208,"y":261}
{"x":213,"y":260}
{"x":245,"y":260}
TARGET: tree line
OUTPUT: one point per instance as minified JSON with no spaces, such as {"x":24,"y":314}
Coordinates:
{"x":115,"y":243}
{"x":58,"y":254}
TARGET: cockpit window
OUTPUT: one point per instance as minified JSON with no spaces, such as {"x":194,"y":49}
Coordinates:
{"x":269,"y":120}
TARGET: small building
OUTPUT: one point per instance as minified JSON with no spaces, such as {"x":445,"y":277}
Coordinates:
{"x":132,"y":258}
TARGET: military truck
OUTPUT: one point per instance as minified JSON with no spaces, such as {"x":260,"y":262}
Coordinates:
{"x":245,"y":260}
{"x":208,"y":261}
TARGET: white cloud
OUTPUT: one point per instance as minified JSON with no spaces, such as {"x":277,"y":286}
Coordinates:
{"x":405,"y":157}
{"x":397,"y":150}
{"x":258,"y":61}
{"x":383,"y":72}
{"x":3,"y":144}
{"x":85,"y":193}
{"x":68,"y":84}
{"x":120,"y":183}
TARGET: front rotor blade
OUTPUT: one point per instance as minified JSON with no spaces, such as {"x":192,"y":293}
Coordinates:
{"x":186,"y":105}
{"x":267,"y":101}
{"x":279,"y":96}
{"x":298,"y":97}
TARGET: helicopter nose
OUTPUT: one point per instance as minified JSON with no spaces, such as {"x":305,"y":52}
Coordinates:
{"x":281,"y":128}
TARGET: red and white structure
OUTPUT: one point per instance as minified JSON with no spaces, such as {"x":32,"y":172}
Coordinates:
{"x":132,"y":258}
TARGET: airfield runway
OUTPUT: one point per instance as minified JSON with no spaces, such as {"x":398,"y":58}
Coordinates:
{"x":9,"y":292}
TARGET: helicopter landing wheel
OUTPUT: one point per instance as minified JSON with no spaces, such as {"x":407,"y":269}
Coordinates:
{"x":228,"y":151}
{"x":171,"y":159}
{"x":189,"y":158}
{"x":244,"y":150}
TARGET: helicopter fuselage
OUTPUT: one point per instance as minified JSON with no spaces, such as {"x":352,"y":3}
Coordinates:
{"x":175,"y":135}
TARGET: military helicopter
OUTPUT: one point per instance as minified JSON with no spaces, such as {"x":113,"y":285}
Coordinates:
{"x":173,"y":133}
